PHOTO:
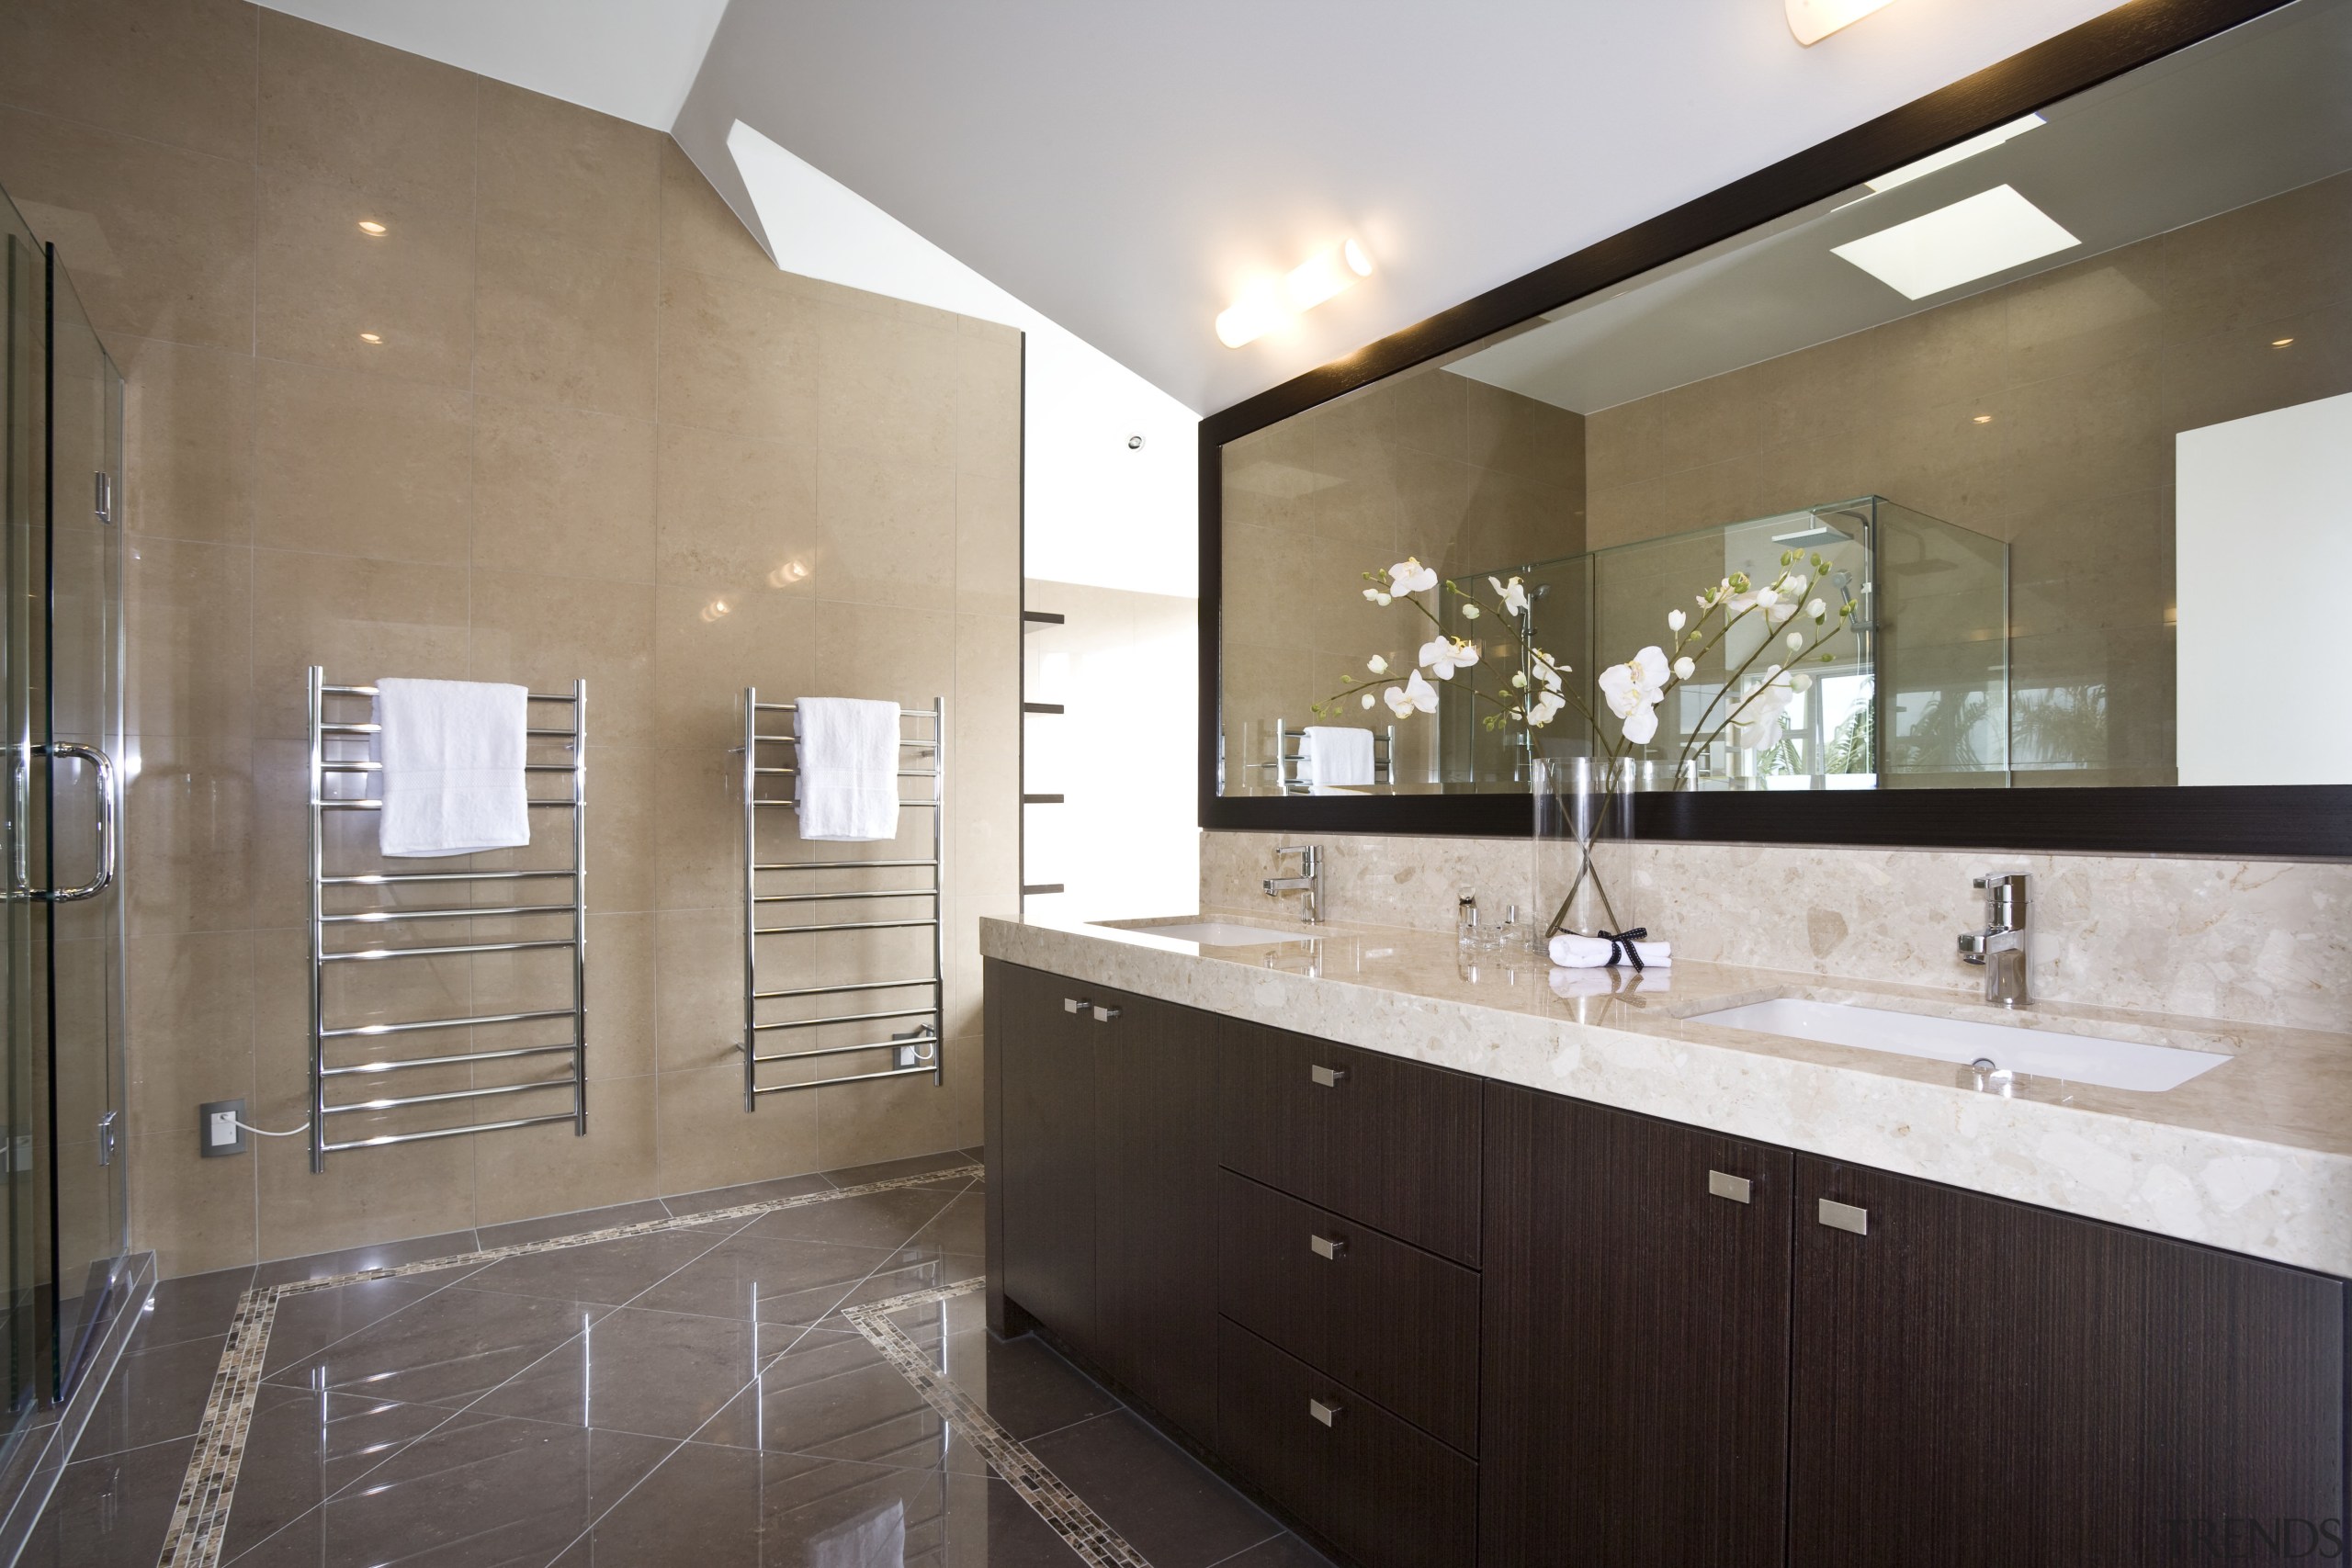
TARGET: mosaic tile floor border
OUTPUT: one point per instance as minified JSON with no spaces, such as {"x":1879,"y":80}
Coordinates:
{"x":198,"y":1529}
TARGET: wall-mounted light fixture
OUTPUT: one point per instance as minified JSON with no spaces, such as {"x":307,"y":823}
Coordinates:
{"x":372,"y":229}
{"x":1265,"y":305}
{"x":1813,"y":21}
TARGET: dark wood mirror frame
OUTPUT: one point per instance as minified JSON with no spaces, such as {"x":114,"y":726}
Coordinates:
{"x":2286,"y":821}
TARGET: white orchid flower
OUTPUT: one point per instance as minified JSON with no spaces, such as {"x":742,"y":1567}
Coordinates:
{"x":1519,"y":680}
{"x":1377,"y":664}
{"x":1800,"y":681}
{"x":1642,"y":723}
{"x":1793,"y":583}
{"x":1544,"y":707}
{"x":1817,"y":610}
{"x":1768,"y":596}
{"x":1513,"y":593}
{"x":1469,"y":611}
{"x":1376,"y":595}
{"x":1762,"y":710}
{"x":1410,"y":576}
{"x":1442,"y":656}
{"x":1796,"y":641}
{"x":1676,"y":620}
{"x":1779,"y":615}
{"x":1638,"y":682}
{"x":1369,"y":699}
{"x":1684,"y":668}
{"x":1416,"y":695}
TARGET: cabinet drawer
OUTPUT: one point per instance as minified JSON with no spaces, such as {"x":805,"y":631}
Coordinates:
{"x":1381,"y":1140}
{"x":1398,"y":1325}
{"x":1386,"y":1493}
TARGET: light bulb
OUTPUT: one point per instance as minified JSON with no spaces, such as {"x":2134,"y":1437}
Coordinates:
{"x":1319,"y":277}
{"x":1258,"y":311}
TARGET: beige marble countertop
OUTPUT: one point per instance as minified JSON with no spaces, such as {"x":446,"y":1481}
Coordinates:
{"x":2255,"y":1154}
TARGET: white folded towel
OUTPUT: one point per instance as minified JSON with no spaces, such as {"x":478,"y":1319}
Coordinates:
{"x":849,"y":767}
{"x":1335,"y":756}
{"x":1570,"y":951}
{"x":1570,"y":985}
{"x":453,"y":754}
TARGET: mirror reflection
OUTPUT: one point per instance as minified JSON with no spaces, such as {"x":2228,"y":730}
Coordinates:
{"x":2018,"y":466}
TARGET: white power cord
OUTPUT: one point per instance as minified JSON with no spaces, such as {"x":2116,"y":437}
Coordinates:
{"x":290,"y":1133}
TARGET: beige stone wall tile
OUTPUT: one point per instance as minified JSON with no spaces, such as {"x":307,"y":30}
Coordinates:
{"x":882,"y":518}
{"x":549,"y":1169}
{"x":987,"y":399}
{"x":364,"y":1196}
{"x":195,"y":1214}
{"x":358,"y":619}
{"x":565,"y":324}
{"x":362,"y":465}
{"x":562,"y":491}
{"x":547,"y":632}
{"x":736,"y":513}
{"x":708,"y":647}
{"x":325,"y":281}
{"x":889,"y":385}
{"x":738,"y":357}
{"x":699,"y":233}
{"x":188,"y":824}
{"x":988,"y":544}
{"x":862,"y":1124}
{"x":984,"y":757}
{"x":708,"y":1140}
{"x":336,"y":106}
{"x":698,"y":1001}
{"x":622,"y":979}
{"x":567,"y":173}
{"x":169,"y":70}
{"x":699,"y":836}
{"x":192,"y":1006}
{"x":187,"y":609}
{"x":159,"y":240}
{"x":188,"y":427}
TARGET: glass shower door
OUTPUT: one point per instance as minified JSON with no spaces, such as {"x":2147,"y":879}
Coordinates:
{"x":78,"y":735}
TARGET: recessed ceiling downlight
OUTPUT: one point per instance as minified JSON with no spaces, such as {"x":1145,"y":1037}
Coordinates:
{"x":1990,"y":232}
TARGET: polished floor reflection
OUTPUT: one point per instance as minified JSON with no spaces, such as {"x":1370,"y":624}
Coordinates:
{"x":689,"y":1395}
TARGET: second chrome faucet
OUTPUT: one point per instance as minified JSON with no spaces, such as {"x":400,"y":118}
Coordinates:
{"x":2000,"y":946}
{"x":1308,"y":882}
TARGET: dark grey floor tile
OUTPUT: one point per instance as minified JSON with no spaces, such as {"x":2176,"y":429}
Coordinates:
{"x":660,"y":1373}
{"x":1166,"y":1503}
{"x":307,"y":1324}
{"x":608,"y":1271}
{"x":917,"y":1265}
{"x":1023,"y":1382}
{"x":577,"y":1222}
{"x":871,"y":1219}
{"x":476,"y":1492}
{"x":152,"y":1396}
{"x":304,"y":1446}
{"x":890,"y":1169}
{"x":831,"y":1395}
{"x":1007,"y":1533}
{"x":700,"y":1506}
{"x":772,"y":1280}
{"x":451,"y":1347}
{"x":111,"y":1512}
{"x":962,"y":1226}
{"x":750,"y":1193}
{"x":351,"y":1259}
{"x":194,"y":1306}
{"x":1285,"y":1550}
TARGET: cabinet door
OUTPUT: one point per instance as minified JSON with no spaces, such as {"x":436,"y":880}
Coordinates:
{"x":1044,"y":1062}
{"x":1980,"y":1381}
{"x":1635,"y":1341}
{"x":1155,"y":1068}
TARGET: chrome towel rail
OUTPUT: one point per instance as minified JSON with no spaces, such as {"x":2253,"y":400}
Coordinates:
{"x":1289,"y":765}
{"x":920,"y":1049}
{"x":326,"y":733}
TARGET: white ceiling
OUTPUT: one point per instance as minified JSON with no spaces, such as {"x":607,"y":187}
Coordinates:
{"x":632,"y":59}
{"x":1126,"y":168}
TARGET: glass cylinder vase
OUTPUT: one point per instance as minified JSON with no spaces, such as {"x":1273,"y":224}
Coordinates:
{"x":1584,"y":831}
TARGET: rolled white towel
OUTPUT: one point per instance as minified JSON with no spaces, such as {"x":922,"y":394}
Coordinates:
{"x":1569,"y":984}
{"x":1570,"y":951}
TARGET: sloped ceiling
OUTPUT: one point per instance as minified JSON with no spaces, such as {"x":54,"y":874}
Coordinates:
{"x":1125,"y":168}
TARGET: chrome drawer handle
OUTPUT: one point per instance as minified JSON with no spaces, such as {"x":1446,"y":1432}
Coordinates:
{"x":1723,"y":1184}
{"x":1327,"y":1414}
{"x":1105,"y":1015}
{"x":1330,"y":1246}
{"x":1073,"y":1004}
{"x":1328,"y":1077}
{"x":1845,"y":1217}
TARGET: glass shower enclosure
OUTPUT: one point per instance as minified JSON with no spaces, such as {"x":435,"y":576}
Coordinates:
{"x":61,"y":975}
{"x":1913,"y":693}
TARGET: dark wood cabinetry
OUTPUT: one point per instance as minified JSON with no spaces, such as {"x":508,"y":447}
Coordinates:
{"x":1636,"y":1340}
{"x":1979,"y":1381}
{"x":1386,"y":1141}
{"x":1442,"y":1321}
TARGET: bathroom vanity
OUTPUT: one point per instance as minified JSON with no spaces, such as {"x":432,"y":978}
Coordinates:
{"x":1451,"y":1269}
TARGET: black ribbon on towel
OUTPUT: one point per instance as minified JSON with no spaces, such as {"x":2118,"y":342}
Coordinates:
{"x":1621,"y":945}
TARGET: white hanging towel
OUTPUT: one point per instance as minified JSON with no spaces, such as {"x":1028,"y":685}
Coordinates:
{"x":848,"y":783}
{"x":453,"y":754}
{"x":1338,"y":756}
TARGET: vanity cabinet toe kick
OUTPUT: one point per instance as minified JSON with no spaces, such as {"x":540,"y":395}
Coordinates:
{"x":1439,"y":1320}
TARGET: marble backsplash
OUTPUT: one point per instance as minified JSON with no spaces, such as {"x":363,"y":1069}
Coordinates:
{"x":2255,"y":942}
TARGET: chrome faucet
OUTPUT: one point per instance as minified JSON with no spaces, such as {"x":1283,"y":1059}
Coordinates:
{"x":1308,"y":880}
{"x":2000,"y":948}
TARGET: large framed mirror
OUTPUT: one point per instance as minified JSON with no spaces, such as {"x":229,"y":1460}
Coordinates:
{"x":1983,"y":477}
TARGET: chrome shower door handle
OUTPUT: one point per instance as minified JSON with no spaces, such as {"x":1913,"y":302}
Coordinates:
{"x":109,"y":813}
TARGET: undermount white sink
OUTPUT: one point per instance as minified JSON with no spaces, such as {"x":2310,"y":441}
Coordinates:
{"x":2044,"y":1052}
{"x":1222,"y":934}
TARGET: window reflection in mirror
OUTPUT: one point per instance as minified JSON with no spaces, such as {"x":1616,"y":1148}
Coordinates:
{"x":2056,"y":433}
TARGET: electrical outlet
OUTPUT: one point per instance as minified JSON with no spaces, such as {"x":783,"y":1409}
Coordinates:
{"x":917,"y":1049}
{"x":218,"y":1133}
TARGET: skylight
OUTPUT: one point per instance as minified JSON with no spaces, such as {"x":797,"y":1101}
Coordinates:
{"x":1988,"y":232}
